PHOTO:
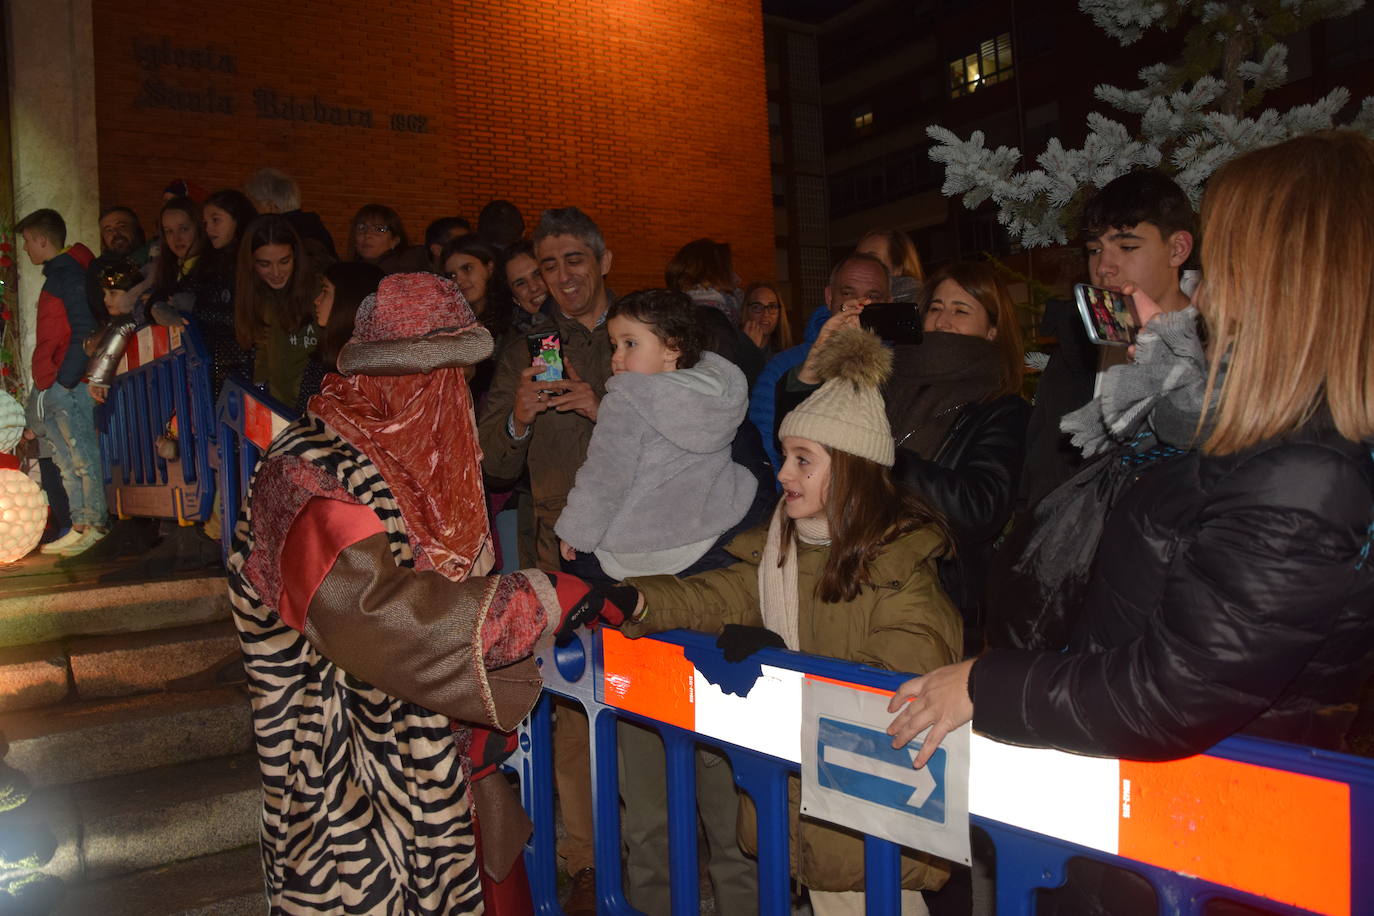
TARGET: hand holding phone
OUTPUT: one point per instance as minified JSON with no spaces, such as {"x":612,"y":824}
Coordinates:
{"x":546,"y":352}
{"x":1108,"y":315}
{"x":897,"y":323}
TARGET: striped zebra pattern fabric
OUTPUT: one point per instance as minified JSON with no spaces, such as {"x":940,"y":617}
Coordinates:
{"x":366,"y":807}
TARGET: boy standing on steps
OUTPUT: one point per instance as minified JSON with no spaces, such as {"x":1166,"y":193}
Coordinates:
{"x":60,"y":407}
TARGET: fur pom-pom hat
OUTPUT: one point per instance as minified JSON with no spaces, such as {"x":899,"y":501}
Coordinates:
{"x":847,"y":411}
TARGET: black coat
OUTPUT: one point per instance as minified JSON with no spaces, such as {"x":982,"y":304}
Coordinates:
{"x":1230,"y":593}
{"x":972,"y":480}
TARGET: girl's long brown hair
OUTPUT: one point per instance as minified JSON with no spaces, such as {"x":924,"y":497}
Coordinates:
{"x":167,"y":271}
{"x":1288,"y":289}
{"x":251,"y":295}
{"x":866,"y":510}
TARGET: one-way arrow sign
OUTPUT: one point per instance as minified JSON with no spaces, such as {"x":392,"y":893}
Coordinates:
{"x":861,"y":762}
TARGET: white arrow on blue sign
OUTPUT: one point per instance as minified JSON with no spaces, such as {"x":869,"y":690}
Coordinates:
{"x":862,"y":763}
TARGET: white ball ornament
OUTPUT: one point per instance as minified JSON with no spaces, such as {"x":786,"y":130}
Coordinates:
{"x":11,"y":422}
{"x":23,"y":515}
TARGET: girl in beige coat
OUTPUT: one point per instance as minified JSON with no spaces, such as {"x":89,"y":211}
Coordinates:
{"x":846,"y":569}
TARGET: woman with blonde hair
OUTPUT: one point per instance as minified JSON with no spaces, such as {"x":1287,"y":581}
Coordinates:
{"x":898,"y":252}
{"x":1231,"y":587}
{"x":763,"y":319}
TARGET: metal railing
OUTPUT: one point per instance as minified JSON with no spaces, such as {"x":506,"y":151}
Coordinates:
{"x":163,"y":376}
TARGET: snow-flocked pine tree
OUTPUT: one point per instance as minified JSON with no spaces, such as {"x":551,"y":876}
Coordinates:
{"x":1195,"y":114}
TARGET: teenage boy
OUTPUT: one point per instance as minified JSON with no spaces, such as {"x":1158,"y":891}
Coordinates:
{"x":60,"y":408}
{"x":1138,"y":232}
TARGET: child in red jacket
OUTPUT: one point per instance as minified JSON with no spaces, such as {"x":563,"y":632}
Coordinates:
{"x":61,"y":410}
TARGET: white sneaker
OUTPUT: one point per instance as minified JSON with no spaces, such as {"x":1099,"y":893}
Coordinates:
{"x":83,"y":543}
{"x":62,"y":543}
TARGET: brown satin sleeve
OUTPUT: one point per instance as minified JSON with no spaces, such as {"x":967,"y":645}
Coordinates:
{"x":417,"y":636}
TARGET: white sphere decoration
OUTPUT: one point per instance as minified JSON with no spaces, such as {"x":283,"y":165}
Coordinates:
{"x":11,"y":422}
{"x":23,"y":515}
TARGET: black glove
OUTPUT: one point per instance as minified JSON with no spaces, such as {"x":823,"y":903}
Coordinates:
{"x":738,"y":642}
{"x":584,"y":604}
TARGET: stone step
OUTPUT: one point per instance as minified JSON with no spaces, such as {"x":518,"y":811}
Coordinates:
{"x":32,"y":676}
{"x":28,"y":617}
{"x":98,"y":667}
{"x":225,"y":884}
{"x":129,"y":663}
{"x":76,"y":742}
{"x":122,"y":824}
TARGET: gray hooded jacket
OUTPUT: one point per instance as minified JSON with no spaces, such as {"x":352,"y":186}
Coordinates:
{"x":658,"y":474}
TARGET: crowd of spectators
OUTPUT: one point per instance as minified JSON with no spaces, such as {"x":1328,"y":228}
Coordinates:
{"x":1192,"y":564}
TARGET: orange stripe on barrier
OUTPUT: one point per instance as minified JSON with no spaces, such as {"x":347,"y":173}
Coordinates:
{"x":257,"y":423}
{"x":851,"y":685}
{"x":160,"y":345}
{"x":1269,"y":832}
{"x":648,"y":677}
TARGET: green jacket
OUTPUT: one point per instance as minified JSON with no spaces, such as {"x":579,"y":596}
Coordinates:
{"x":903,"y":622}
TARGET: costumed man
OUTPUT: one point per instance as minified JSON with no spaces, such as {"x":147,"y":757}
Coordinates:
{"x":368,"y":624}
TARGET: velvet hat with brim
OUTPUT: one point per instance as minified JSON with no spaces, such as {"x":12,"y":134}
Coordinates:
{"x":413,"y":324}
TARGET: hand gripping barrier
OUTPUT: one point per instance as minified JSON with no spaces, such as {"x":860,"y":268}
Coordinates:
{"x":248,"y":420}
{"x":1283,"y":828}
{"x":163,"y":375}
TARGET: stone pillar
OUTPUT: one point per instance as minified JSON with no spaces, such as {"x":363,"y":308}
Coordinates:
{"x":50,"y":57}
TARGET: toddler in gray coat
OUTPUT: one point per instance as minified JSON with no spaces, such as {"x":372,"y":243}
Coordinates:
{"x":658,"y":487}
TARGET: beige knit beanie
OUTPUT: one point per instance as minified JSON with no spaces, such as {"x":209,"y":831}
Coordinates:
{"x":847,"y":411}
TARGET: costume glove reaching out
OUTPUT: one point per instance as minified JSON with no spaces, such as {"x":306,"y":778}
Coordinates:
{"x":584,"y":604}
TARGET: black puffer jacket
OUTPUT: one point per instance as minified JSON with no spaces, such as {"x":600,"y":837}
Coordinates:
{"x":1231,"y":593}
{"x":972,"y":480}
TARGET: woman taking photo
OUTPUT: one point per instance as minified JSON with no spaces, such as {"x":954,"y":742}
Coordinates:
{"x":959,"y":420}
{"x":764,"y":320}
{"x":274,"y":307}
{"x":1231,"y":586}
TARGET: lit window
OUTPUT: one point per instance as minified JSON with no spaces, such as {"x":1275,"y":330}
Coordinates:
{"x":863,"y":118}
{"x":990,"y":64}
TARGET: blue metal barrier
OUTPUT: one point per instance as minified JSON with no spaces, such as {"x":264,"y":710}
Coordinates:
{"x":164,"y":373}
{"x":247,"y":421}
{"x":1243,"y":797}
{"x":1283,"y":828}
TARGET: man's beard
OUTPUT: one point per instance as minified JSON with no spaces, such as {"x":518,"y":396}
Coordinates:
{"x":120,"y":245}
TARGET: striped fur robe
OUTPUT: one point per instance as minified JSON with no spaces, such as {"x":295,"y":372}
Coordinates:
{"x":366,"y":798}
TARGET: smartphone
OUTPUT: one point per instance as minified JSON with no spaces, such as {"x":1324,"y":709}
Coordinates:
{"x":546,"y":351}
{"x":1108,"y":315}
{"x":897,"y":323}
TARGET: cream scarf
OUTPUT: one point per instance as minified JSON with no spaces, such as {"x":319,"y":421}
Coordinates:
{"x":778,"y":599}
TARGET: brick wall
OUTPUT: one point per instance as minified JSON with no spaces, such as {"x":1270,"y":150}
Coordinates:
{"x":650,"y":116}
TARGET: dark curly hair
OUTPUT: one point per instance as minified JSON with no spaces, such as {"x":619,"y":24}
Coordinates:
{"x":672,"y":316}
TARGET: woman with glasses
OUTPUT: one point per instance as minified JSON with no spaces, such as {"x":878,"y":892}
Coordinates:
{"x":764,"y":320}
{"x":377,"y":236}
